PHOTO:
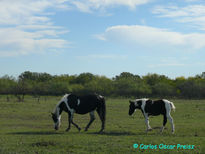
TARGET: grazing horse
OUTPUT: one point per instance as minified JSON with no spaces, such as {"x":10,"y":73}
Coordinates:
{"x":154,"y":108}
{"x":71,"y":104}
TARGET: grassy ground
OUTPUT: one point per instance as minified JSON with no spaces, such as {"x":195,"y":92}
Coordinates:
{"x":27,"y":128}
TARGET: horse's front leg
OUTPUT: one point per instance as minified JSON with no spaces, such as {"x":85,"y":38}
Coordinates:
{"x":73,"y":122}
{"x":69,"y":122}
{"x":148,"y":128}
{"x":76,"y":125}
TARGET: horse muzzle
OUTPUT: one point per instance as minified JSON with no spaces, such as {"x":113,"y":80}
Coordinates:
{"x":56,"y":128}
{"x":130,"y":113}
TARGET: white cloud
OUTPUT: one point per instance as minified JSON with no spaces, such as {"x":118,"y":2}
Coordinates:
{"x":194,"y":15}
{"x":103,"y":56}
{"x":169,"y":62}
{"x":27,"y":11}
{"x":149,"y":36}
{"x":92,"y":5}
{"x":166,"y":65}
{"x":26,"y":27}
{"x":17,"y":42}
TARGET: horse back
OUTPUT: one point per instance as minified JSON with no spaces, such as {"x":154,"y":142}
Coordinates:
{"x":84,"y":104}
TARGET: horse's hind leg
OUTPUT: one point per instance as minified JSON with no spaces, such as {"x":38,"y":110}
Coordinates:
{"x":172,"y":122}
{"x":92,"y":118}
{"x":164,"y":123}
{"x":168,"y":109}
{"x":101,"y":114}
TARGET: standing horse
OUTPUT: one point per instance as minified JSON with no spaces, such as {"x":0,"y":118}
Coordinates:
{"x":154,"y":108}
{"x":71,"y":104}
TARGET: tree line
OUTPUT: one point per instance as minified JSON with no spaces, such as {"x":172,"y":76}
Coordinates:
{"x":124,"y":85}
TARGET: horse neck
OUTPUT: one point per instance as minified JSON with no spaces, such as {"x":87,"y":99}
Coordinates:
{"x":58,"y":109}
{"x":62,"y":107}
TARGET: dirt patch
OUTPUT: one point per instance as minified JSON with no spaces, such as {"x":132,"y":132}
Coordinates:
{"x":44,"y":144}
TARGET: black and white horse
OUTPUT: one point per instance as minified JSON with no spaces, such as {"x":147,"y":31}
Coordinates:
{"x":71,"y":104}
{"x":154,"y":108}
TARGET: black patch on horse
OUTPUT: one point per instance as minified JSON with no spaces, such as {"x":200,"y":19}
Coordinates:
{"x":84,"y":106}
{"x":155,"y":107}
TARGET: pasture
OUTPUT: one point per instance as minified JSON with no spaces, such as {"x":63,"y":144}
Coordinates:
{"x":27,"y":127}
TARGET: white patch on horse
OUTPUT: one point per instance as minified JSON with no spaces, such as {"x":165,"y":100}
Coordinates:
{"x":78,"y":102}
{"x":136,"y":101}
{"x":65,"y":100}
{"x":58,"y":123}
{"x":169,"y":105}
{"x":66,"y":103}
{"x":145,"y":114}
{"x":57,"y":109}
{"x":101,"y":96}
{"x":143,"y":103}
{"x":136,"y":104}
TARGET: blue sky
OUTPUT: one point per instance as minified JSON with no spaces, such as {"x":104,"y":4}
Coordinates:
{"x":104,"y":37}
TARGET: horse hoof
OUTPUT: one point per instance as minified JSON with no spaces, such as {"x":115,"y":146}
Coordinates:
{"x":79,"y":129}
{"x":67,"y":129}
{"x":86,"y":129}
{"x":100,"y":132}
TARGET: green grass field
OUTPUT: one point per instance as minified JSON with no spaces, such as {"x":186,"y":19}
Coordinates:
{"x":28,"y":128}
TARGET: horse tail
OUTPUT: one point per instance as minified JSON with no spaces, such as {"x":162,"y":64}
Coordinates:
{"x":170,"y":103}
{"x":172,"y":106}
